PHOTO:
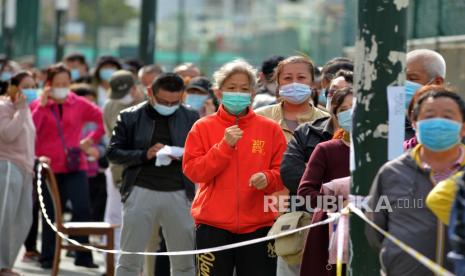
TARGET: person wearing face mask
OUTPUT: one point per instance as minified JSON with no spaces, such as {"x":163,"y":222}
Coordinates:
{"x":200,"y":96}
{"x":154,"y":192}
{"x":17,"y":136}
{"x":147,"y":75}
{"x":122,"y":95}
{"x":294,"y":76}
{"x":424,"y":67}
{"x":105,"y":67}
{"x":438,"y":118}
{"x":234,"y":156}
{"x":267,"y":90}
{"x":328,"y":73}
{"x":59,"y":116}
{"x":187,"y":71}
{"x":329,"y":161}
{"x":24,"y":84}
{"x":307,"y":136}
{"x":76,"y":63}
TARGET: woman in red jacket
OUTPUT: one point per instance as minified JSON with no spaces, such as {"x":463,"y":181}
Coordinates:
{"x":59,"y":116}
{"x":234,"y":156}
{"x":329,"y":161}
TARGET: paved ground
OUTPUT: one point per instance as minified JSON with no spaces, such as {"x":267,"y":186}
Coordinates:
{"x":67,"y":267}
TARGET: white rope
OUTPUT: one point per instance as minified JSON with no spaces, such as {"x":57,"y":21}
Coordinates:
{"x":173,"y":253}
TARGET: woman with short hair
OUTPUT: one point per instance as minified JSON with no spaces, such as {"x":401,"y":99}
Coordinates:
{"x":234,"y":157}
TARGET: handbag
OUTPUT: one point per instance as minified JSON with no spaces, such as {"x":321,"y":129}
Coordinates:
{"x":291,"y":247}
{"x":73,"y":154}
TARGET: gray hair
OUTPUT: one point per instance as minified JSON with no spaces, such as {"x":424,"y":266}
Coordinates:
{"x":150,"y":69}
{"x":234,"y":67}
{"x":433,"y":62}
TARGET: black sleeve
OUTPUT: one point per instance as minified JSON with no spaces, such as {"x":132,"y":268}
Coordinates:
{"x":294,"y":159}
{"x":119,"y":150}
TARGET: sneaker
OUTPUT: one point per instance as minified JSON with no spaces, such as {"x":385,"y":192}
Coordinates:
{"x":46,"y":264}
{"x":31,"y":256}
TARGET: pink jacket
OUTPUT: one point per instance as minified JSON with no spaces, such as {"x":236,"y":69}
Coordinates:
{"x":17,"y":134}
{"x":76,"y":112}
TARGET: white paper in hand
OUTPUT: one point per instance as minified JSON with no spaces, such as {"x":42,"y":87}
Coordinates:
{"x":164,"y":155}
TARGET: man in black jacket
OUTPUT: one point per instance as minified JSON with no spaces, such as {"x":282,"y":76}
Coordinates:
{"x":154,"y":195}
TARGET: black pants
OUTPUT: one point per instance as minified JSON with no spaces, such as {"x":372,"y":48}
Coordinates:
{"x":162,"y":263}
{"x":31,"y":240}
{"x":256,"y":259}
{"x":73,"y":187}
{"x":98,"y":196}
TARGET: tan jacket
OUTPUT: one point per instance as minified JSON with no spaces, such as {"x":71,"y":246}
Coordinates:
{"x":111,"y":110}
{"x":275,"y":112}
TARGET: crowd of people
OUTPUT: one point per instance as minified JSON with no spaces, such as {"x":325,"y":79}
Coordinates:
{"x":180,"y":161}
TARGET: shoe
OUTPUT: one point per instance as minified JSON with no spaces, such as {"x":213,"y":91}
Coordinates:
{"x":31,"y":256}
{"x":88,"y":265}
{"x":8,"y":272}
{"x":46,"y":264}
{"x":70,"y":254}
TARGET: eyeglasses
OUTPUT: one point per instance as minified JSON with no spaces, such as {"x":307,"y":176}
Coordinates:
{"x":166,"y":103}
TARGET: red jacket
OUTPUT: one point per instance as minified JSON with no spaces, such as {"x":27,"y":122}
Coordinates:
{"x":76,"y":112}
{"x":224,"y":198}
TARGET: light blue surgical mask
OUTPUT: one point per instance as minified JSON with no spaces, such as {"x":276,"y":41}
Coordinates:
{"x":322,"y":97}
{"x":196,"y":101}
{"x":236,"y":102}
{"x":295,"y":93}
{"x":6,"y":76}
{"x":165,"y":110}
{"x":31,"y":94}
{"x":105,"y":73}
{"x":41,"y":84}
{"x":344,"y":119}
{"x":438,"y":134}
{"x":75,"y":74}
{"x":410,"y":89}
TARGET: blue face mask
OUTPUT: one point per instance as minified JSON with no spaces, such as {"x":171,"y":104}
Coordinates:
{"x":165,"y":110}
{"x":344,"y":119}
{"x":31,"y":94}
{"x":196,"y":101}
{"x":75,"y":74}
{"x":295,"y":93}
{"x":410,"y":89}
{"x":322,"y":97}
{"x":6,"y":76}
{"x":236,"y":102}
{"x":438,"y":134}
{"x":105,"y":74}
{"x":41,"y":84}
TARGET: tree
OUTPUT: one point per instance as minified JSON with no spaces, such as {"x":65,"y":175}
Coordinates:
{"x":115,"y":13}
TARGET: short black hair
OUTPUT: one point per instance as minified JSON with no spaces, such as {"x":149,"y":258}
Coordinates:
{"x":269,"y":65}
{"x":347,"y":75}
{"x":168,"y":81}
{"x":439,"y":92}
{"x":76,"y":57}
{"x":18,"y":77}
{"x":334,"y":65}
{"x":339,"y":97}
{"x":83,"y":89}
{"x":56,"y":69}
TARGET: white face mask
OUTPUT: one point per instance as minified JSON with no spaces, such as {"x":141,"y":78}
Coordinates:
{"x":126,"y":100}
{"x":60,"y":93}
